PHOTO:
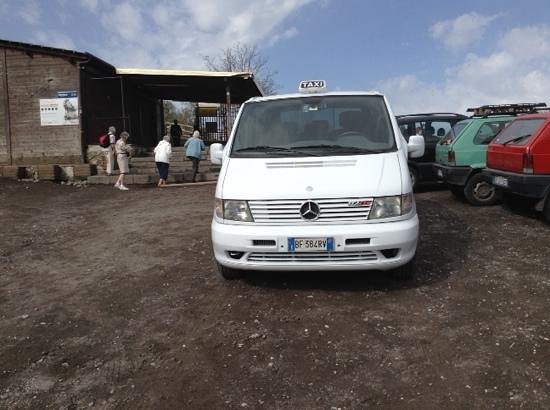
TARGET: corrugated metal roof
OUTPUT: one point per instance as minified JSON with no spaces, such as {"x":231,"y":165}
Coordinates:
{"x":180,"y":73}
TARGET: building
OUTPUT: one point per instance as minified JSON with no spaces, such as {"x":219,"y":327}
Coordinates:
{"x":54,"y":103}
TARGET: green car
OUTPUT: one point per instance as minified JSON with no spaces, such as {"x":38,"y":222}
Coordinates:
{"x":460,"y":155}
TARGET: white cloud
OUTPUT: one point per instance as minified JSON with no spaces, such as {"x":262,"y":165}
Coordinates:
{"x":517,"y":70}
{"x":285,"y":35}
{"x":124,"y":20}
{"x":30,"y":12}
{"x":460,"y":33}
{"x":53,"y":39}
{"x":527,"y":42}
{"x":177,"y":33}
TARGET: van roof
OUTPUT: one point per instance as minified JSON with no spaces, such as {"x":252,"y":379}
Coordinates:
{"x":302,"y":95}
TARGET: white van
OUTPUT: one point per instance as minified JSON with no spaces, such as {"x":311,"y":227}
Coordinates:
{"x":315,"y":181}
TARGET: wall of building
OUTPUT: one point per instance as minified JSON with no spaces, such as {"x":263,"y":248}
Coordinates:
{"x":31,"y":77}
{"x":4,"y":158}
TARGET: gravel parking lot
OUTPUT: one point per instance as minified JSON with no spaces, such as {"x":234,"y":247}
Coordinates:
{"x":110,"y":299}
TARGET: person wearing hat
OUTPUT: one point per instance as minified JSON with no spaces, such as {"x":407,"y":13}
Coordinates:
{"x":193,"y":150}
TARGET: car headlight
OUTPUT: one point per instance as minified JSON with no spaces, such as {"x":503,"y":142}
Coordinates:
{"x":232,"y":210}
{"x":391,"y":206}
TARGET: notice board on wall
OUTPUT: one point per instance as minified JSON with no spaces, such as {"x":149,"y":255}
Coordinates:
{"x":59,"y":111}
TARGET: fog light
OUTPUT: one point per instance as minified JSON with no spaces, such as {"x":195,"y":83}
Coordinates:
{"x":390,"y":253}
{"x":235,"y":254}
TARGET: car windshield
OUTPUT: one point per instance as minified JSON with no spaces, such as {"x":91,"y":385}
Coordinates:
{"x":519,"y":132}
{"x":314,"y":126}
{"x":455,"y":130}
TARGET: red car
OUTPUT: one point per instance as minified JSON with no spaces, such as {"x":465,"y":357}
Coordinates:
{"x":518,"y":159}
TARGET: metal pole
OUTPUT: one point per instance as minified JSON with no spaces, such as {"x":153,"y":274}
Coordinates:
{"x":7,"y":110}
{"x":227,"y":110}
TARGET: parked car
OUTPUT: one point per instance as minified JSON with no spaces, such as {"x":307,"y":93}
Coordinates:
{"x":315,"y":181}
{"x":518,"y":159}
{"x":433,"y":126}
{"x":460,"y":155}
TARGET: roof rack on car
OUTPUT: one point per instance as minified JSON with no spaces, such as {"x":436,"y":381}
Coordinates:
{"x":501,"y":109}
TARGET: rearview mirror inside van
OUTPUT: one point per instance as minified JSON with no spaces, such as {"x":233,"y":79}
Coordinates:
{"x":416,"y":146}
{"x":216,"y":154}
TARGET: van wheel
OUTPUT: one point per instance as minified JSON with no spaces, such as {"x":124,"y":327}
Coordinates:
{"x":405,"y":272}
{"x":480,"y":192}
{"x":546,"y":210}
{"x":228,"y":273}
{"x":414,"y":177}
{"x":457,"y":190}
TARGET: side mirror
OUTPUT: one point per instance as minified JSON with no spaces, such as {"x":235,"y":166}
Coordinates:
{"x":415,"y":147}
{"x":216,"y":154}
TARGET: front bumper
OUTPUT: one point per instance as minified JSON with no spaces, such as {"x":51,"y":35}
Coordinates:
{"x":453,"y":175}
{"x":532,"y":186}
{"x":399,"y":235}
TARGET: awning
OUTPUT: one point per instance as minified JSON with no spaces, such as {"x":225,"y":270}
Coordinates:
{"x":195,"y":86}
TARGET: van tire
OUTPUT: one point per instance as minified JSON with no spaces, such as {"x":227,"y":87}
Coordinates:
{"x":480,"y":192}
{"x":457,"y":190}
{"x":405,"y":272}
{"x":228,"y":273}
{"x":546,"y":209}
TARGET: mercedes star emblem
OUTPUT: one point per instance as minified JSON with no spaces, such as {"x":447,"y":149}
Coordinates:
{"x":310,"y":211}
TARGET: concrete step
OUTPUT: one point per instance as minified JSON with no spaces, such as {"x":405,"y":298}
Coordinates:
{"x":133,"y":179}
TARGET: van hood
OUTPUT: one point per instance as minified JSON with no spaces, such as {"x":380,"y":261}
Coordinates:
{"x":312,"y":177}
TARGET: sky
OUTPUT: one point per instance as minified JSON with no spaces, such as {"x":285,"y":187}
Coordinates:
{"x":424,"y":55}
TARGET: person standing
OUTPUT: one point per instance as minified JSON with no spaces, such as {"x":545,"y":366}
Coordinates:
{"x":122,"y":150}
{"x":109,"y":151}
{"x":163,"y":152}
{"x":176,"y":133}
{"x":193,"y":150}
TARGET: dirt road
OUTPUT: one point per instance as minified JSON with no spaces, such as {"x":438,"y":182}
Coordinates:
{"x":110,"y":299}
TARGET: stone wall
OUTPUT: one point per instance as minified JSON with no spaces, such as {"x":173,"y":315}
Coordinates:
{"x":31,"y":77}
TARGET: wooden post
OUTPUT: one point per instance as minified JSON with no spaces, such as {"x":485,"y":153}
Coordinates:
{"x":7,"y":110}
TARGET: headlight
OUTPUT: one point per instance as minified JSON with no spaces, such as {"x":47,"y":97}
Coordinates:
{"x":232,"y":210}
{"x":391,"y":206}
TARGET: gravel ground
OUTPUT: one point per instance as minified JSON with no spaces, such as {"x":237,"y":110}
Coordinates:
{"x":110,"y":299}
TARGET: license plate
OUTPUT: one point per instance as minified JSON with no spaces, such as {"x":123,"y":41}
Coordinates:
{"x":310,"y":244}
{"x":500,"y":181}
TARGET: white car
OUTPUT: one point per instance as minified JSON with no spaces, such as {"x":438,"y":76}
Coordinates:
{"x":315,"y":181}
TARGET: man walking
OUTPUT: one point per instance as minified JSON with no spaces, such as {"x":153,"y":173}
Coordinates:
{"x":109,"y":150}
{"x":175,"y":133}
{"x":193,"y":150}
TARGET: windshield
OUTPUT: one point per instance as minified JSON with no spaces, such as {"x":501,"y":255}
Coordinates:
{"x":454,"y":131}
{"x":314,"y":126}
{"x":519,"y":132}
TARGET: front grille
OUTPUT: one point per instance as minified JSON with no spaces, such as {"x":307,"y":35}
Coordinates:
{"x":305,"y":257}
{"x":331,"y":210}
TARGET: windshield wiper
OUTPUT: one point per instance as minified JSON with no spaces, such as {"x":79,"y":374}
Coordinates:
{"x":338,"y":148}
{"x":516,"y":139}
{"x":276,"y":150}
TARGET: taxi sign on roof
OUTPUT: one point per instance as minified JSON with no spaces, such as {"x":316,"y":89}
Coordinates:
{"x":312,"y":86}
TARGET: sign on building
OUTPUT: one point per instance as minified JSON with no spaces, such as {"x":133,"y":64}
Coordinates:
{"x":59,"y":111}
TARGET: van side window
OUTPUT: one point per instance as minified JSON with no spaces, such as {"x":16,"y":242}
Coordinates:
{"x":407,"y":130}
{"x":488,"y":130}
